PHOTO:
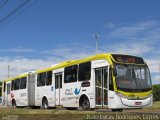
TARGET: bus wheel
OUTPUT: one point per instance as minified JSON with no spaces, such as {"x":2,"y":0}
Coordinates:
{"x":85,"y":103}
{"x":45,"y":103}
{"x":14,"y":104}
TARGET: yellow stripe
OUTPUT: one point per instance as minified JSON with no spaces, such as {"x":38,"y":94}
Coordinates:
{"x":14,"y":78}
{"x":73,"y":62}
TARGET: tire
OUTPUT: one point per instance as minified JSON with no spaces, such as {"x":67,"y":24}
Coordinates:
{"x":14,"y":104}
{"x":44,"y":104}
{"x":85,"y":104}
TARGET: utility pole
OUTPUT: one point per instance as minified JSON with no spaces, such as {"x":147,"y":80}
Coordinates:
{"x":8,"y":70}
{"x":96,"y":36}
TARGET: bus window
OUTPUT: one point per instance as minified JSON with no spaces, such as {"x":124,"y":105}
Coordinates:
{"x":16,"y":84}
{"x":12,"y":85}
{"x":84,"y":71}
{"x":111,"y":87}
{"x":56,"y":81}
{"x":41,"y":79}
{"x":4,"y":87}
{"x":49,"y":78}
{"x":60,"y":81}
{"x":70,"y":74}
{"x":23,"y":83}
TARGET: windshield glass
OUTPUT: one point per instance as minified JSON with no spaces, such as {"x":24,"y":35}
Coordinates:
{"x":130,"y":77}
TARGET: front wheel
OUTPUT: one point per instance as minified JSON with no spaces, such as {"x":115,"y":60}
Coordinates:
{"x":85,"y":104}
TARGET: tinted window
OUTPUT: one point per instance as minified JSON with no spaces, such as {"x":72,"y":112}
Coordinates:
{"x":41,"y":79}
{"x":111,"y":87}
{"x":84,"y":71}
{"x":49,"y":78}
{"x":56,"y":81}
{"x":60,"y":80}
{"x":16,"y":84}
{"x":70,"y":74}
{"x":23,"y":83}
{"x":12,"y":85}
{"x":4,"y":87}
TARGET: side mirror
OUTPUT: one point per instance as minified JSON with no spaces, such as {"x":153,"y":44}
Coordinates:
{"x":114,"y":71}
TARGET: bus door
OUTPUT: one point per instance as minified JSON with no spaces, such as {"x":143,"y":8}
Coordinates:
{"x":58,"y":88}
{"x":8,"y":97}
{"x":101,"y":77}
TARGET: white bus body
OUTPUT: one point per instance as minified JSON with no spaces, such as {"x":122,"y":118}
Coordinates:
{"x":64,"y":86}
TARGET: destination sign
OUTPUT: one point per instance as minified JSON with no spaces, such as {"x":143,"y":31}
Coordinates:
{"x":127,"y":59}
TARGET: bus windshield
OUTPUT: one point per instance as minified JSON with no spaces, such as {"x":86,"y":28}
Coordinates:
{"x":133,"y":78}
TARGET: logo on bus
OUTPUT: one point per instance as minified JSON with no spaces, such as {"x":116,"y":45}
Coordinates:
{"x":69,"y":91}
{"x":76,"y":91}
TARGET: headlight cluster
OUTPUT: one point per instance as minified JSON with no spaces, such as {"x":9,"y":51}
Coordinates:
{"x":121,"y":95}
{"x":132,"y":97}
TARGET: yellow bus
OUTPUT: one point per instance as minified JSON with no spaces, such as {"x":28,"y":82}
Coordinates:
{"x":113,"y":81}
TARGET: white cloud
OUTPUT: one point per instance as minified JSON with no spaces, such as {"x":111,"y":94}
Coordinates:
{"x":129,"y":48}
{"x":70,"y":52}
{"x":19,"y":49}
{"x":22,"y":65}
{"x":132,"y":31}
{"x":154,"y":65}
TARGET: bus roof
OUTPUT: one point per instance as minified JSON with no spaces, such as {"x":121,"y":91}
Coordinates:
{"x":16,"y":77}
{"x":107,"y":56}
{"x":72,"y":62}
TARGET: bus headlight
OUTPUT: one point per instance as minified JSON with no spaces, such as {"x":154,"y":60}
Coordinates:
{"x":121,"y":95}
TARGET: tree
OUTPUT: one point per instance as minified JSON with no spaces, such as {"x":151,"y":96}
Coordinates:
{"x":156,"y":92}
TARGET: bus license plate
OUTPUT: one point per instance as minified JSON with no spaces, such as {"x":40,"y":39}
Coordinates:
{"x":138,"y":103}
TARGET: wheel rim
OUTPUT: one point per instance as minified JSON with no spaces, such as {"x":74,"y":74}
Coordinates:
{"x":85,"y":104}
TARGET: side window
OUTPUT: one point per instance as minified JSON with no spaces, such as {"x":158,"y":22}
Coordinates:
{"x":12,"y":85}
{"x":49,"y":78}
{"x":56,"y":81}
{"x":70,"y":74}
{"x":60,"y":82}
{"x":41,"y":79}
{"x":23,"y":83}
{"x":84,"y":71}
{"x":111,"y":87}
{"x":16,"y":84}
{"x":4,"y":87}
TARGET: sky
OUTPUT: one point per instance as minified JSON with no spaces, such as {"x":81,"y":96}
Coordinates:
{"x":44,"y":32}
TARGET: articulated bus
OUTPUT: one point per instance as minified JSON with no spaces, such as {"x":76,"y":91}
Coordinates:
{"x":113,"y":81}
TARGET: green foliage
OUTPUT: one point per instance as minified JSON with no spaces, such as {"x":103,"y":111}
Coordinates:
{"x":156,"y":92}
